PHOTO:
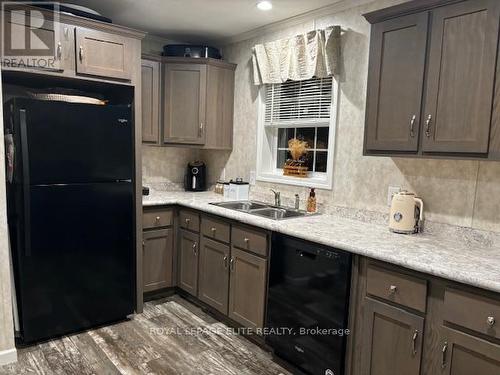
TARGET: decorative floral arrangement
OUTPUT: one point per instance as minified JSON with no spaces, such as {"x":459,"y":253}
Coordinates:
{"x":296,"y":165}
{"x":297,"y":148}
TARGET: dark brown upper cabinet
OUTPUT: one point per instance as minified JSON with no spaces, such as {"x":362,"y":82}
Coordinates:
{"x":185,"y":103}
{"x":431,"y":80}
{"x":396,"y":76}
{"x":461,"y":71}
{"x":195,"y":102}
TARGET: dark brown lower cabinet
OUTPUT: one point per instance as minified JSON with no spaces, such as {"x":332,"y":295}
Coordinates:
{"x":157,"y":259}
{"x":463,"y":354}
{"x":247,"y":290}
{"x":188,"y":261}
{"x":214,"y":274}
{"x":392,"y":340}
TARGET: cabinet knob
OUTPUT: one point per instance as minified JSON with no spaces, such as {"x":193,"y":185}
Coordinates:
{"x":158,"y":219}
{"x":393,"y":289}
{"x":187,"y":221}
{"x":246,"y":240}
{"x":491,"y":321}
{"x":213,"y":229}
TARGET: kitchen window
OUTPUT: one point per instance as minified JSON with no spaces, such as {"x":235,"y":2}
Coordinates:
{"x":304,"y":110}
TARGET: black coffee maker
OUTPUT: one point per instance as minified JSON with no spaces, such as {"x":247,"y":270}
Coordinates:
{"x":196,"y":176}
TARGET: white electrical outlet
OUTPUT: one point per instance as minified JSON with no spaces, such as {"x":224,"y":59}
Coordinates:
{"x":252,"y":178}
{"x":390,"y":192}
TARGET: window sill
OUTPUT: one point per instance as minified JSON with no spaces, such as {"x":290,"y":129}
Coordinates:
{"x":315,"y":182}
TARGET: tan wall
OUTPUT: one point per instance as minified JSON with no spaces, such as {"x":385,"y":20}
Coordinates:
{"x":6,"y":322}
{"x":464,"y":193}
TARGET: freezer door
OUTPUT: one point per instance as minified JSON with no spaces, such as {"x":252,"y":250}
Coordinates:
{"x":76,"y":269}
{"x":73,"y":143}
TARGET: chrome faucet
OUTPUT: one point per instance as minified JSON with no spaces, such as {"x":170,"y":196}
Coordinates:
{"x":277,"y":198}
{"x":297,"y":202}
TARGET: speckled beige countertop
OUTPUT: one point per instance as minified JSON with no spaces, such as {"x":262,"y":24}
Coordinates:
{"x":443,"y":256}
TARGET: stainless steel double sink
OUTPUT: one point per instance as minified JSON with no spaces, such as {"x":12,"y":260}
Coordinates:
{"x":263,"y":209}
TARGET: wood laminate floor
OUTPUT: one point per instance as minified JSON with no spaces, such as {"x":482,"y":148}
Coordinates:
{"x":172,"y":336}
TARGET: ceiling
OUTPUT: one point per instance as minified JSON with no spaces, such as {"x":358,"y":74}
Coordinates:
{"x":198,"y":20}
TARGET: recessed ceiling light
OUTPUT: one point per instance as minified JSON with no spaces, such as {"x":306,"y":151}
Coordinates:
{"x":264,"y":5}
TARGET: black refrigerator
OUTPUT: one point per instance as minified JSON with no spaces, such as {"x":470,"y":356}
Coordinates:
{"x":71,"y":217}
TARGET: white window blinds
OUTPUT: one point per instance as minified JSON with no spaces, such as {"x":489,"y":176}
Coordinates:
{"x":294,"y":103}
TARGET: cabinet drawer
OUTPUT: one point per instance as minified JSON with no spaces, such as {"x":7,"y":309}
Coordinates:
{"x":215,"y":229}
{"x":396,"y":287}
{"x":472,"y":311}
{"x":189,"y":220}
{"x":250,"y":240}
{"x":157,"y":218}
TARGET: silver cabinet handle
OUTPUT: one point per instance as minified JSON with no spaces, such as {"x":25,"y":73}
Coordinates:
{"x":412,"y":126}
{"x":414,"y":342}
{"x":428,"y":126}
{"x":80,"y":53}
{"x":231,"y":264}
{"x":213,"y":229}
{"x":246,"y":240}
{"x":201,"y":129}
{"x":225,"y":261}
{"x":187,"y":221}
{"x":443,"y":352}
{"x":59,"y":51}
{"x":195,"y":246}
{"x":393,"y":289}
{"x":158,"y":219}
{"x":491,"y":321}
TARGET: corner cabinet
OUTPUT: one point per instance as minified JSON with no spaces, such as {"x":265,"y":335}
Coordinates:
{"x":185,"y":87}
{"x":431,"y":80}
{"x":189,"y":101}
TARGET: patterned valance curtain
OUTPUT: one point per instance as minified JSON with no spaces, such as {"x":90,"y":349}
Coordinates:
{"x":314,"y":54}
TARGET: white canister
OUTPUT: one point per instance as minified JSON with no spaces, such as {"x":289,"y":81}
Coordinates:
{"x":226,"y":190}
{"x":239,"y":190}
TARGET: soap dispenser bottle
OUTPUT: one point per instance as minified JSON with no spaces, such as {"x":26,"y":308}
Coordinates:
{"x":311,"y":201}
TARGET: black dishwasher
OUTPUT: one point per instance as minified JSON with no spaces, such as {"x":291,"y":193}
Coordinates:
{"x":308,"y":304}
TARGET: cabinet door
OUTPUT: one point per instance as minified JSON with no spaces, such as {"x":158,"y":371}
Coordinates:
{"x":103,"y":54}
{"x":188,"y":261}
{"x":247,"y":288}
{"x":462,"y":59}
{"x":462,"y":354}
{"x":185,"y":103}
{"x":214,"y":274}
{"x":393,"y":340}
{"x":43,"y":49}
{"x":220,"y":101}
{"x":150,"y":73}
{"x":395,"y":81}
{"x":157,"y":259}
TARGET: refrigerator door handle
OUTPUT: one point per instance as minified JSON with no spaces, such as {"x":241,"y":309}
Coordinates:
{"x":26,"y":182}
